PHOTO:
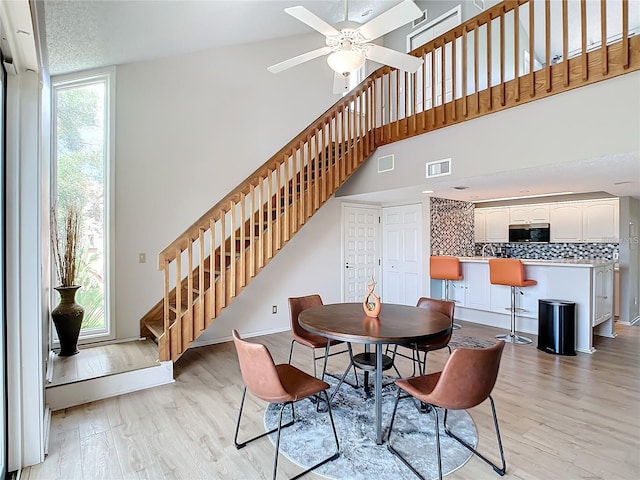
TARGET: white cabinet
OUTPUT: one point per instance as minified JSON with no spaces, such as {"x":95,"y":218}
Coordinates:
{"x":602,"y":302}
{"x":473,"y":291}
{"x":478,"y":225}
{"x":491,"y":224}
{"x":600,"y":220}
{"x":586,"y":221}
{"x":524,"y":214}
{"x":566,"y":222}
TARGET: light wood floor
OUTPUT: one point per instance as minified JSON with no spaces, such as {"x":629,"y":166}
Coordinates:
{"x":560,"y":417}
{"x":101,"y":360}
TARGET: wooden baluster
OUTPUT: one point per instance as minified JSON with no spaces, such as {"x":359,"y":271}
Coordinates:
{"x":603,"y":38}
{"x":301,"y":176}
{"x":350,"y":145}
{"x":502,"y":61}
{"x":433,"y":85}
{"x":516,"y":48}
{"x":278,"y":208}
{"x":212,"y":271}
{"x":201,"y":286}
{"x":443,"y":81}
{"x":308,"y":179}
{"x":476,"y":67}
{"x":389,"y":103}
{"x":223,"y":259}
{"x":252,"y":231}
{"x":397,"y":97}
{"x":189,"y":325}
{"x":269,"y":213}
{"x":165,"y":319}
{"x":242,"y":223}
{"x":177,"y":325}
{"x":233,"y":252}
{"x":584,"y":57}
{"x":261,"y":222}
{"x":318,"y":172}
{"x":625,"y":35}
{"x":324,"y":160}
{"x":423,"y":88}
{"x":532,"y":79}
{"x":287,"y":198}
{"x":331,"y":159}
{"x":565,"y":41}
{"x":489,"y":63}
{"x":547,"y":29}
{"x":465,"y":60}
{"x":454,"y":68}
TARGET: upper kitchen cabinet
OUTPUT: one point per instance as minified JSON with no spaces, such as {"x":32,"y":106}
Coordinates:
{"x":491,"y":224}
{"x":601,"y":220}
{"x":586,"y":221}
{"x":566,"y":222}
{"x":524,"y":214}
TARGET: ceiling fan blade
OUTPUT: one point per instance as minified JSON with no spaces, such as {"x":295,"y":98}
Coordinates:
{"x":292,"y":62}
{"x":340,"y":83}
{"x":393,"y":18}
{"x":315,"y":22}
{"x":393,"y":58}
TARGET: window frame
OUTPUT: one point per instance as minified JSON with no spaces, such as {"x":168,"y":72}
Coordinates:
{"x":108,"y":76}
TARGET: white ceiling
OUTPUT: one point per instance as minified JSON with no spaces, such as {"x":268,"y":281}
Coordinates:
{"x":87,"y":34}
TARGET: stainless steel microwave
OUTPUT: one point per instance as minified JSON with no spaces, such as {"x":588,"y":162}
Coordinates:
{"x":530,"y":233}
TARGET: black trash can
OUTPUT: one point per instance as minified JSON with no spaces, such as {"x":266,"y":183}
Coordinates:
{"x":557,"y":326}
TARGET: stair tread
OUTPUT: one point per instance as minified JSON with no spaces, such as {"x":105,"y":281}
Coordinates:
{"x":155,"y":326}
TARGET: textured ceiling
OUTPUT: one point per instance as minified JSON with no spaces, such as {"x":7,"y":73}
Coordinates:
{"x":87,"y":34}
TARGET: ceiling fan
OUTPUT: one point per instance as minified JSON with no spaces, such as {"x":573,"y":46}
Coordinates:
{"x":348,"y":44}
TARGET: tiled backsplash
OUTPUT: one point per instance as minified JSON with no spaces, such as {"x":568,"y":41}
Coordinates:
{"x":452,"y":224}
{"x":548,"y":251}
{"x":451,"y":227}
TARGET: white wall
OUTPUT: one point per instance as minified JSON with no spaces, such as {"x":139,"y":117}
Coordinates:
{"x":188,"y":130}
{"x":629,"y":259}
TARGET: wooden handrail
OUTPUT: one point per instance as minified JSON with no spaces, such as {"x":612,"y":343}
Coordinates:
{"x":216,"y":257}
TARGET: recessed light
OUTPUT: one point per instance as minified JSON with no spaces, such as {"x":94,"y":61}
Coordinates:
{"x":460,"y":187}
{"x":621,"y":183}
{"x":427,"y":191}
{"x":367,"y":12}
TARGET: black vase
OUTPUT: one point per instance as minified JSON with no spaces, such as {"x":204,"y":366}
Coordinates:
{"x":67,"y":317}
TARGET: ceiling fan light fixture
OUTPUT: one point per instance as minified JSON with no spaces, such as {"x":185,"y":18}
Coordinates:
{"x":345,"y":62}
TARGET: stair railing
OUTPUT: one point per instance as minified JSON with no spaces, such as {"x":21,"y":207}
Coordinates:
{"x":506,"y":56}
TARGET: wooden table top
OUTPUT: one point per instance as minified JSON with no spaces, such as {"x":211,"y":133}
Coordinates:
{"x":395,"y":324}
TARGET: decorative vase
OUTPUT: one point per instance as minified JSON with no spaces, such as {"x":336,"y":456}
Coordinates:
{"x":67,"y":318}
{"x":371,"y":303}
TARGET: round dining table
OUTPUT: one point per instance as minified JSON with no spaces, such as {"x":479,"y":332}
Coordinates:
{"x":397,"y":324}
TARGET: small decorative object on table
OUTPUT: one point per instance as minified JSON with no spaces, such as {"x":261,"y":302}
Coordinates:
{"x":68,"y":315}
{"x":371,"y":303}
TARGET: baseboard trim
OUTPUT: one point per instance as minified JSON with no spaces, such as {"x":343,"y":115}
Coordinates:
{"x":257,"y":333}
{"x":85,"y":391}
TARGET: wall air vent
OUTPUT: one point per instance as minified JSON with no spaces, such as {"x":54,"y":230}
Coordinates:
{"x":385,"y":163}
{"x":439,"y":168}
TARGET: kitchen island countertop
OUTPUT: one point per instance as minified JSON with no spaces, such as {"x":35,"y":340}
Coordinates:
{"x":557,"y":262}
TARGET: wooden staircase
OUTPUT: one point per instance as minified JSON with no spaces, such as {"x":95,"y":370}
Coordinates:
{"x":249,"y":226}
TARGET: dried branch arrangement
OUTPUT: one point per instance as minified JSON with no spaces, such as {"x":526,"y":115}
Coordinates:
{"x":65,"y":241}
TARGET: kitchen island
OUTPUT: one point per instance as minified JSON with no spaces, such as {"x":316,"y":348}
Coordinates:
{"x":588,"y":283}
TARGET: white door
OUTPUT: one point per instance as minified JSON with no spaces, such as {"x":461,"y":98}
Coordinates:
{"x":401,"y":254}
{"x":361,"y":251}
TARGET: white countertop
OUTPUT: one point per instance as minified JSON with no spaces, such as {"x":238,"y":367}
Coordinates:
{"x":556,"y":262}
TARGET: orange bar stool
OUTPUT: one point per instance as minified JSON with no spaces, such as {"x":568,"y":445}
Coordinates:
{"x":510,"y":272}
{"x":445,"y":268}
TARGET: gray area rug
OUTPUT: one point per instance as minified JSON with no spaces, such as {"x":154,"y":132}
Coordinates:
{"x":310,"y":438}
{"x":459,"y":340}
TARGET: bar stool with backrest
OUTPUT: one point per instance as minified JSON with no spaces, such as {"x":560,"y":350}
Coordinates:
{"x":447,"y":268}
{"x":510,"y":272}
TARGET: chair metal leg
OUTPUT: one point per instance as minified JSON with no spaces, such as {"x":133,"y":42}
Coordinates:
{"x":291,"y":350}
{"x":335,"y":455}
{"x":500,"y":471}
{"x":512,"y":337}
{"x":244,"y":444}
{"x":391,"y":448}
{"x":278,"y":431}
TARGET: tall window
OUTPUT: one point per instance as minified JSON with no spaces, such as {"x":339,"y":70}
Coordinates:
{"x":82,"y":113}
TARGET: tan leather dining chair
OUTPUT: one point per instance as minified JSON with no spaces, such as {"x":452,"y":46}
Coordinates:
{"x":466,"y":381}
{"x":446,"y":307}
{"x":273,"y":383}
{"x":311,"y":340}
